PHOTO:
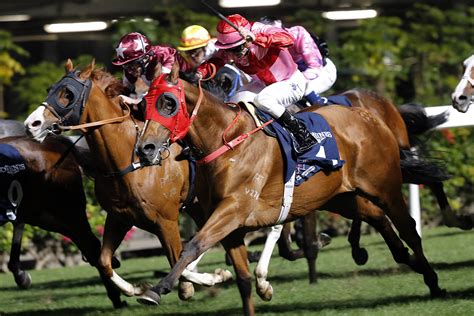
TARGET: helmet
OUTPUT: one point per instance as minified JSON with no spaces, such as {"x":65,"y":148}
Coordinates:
{"x":194,"y":36}
{"x":131,"y":47}
{"x":227,"y":36}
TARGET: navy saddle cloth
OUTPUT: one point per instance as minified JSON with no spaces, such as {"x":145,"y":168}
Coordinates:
{"x":12,"y":166}
{"x":323,"y":155}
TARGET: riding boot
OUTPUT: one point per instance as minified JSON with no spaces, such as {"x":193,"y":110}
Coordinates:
{"x":303,"y":138}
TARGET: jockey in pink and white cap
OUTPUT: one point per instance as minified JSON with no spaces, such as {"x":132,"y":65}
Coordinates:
{"x":262,"y":52}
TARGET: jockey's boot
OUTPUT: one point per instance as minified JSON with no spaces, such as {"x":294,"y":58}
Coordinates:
{"x":303,"y":138}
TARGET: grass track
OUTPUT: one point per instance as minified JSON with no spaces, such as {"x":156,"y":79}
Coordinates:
{"x":381,"y":287}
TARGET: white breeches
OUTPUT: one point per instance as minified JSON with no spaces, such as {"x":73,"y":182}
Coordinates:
{"x":324,"y":81}
{"x":275,"y":98}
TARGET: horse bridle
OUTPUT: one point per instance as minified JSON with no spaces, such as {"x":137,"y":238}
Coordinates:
{"x":72,"y":113}
{"x":79,"y":88}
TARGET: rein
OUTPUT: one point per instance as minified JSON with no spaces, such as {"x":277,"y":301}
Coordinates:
{"x":227,"y":145}
{"x":85,"y":126}
{"x":230,"y":145}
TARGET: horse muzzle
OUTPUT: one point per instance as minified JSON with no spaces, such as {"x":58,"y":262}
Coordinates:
{"x":152,"y":154}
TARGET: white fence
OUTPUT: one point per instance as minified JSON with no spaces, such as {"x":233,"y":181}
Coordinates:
{"x":456,"y":119}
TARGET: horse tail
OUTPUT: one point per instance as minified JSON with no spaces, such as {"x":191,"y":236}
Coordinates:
{"x":417,"y":121}
{"x":420,"y":171}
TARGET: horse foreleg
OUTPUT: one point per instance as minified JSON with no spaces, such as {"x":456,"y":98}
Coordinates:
{"x":450,"y":218}
{"x":264,"y":288}
{"x":22,"y":278}
{"x":206,"y":279}
{"x":359,"y":254}
{"x":235,"y":247}
{"x":223,"y":221}
{"x":114,"y":233}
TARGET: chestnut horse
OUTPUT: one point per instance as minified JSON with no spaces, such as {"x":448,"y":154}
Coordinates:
{"x":367,"y":187}
{"x":149,"y":198}
{"x":463,"y":95}
{"x":52,"y":199}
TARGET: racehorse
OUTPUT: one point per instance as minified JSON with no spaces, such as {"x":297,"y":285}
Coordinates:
{"x":367,"y":187}
{"x":463,"y":95}
{"x":52,"y":198}
{"x":406,"y":123}
{"x":149,"y":198}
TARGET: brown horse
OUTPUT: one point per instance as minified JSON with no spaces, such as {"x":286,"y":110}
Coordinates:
{"x":463,"y":95}
{"x":367,"y":187}
{"x":52,"y":199}
{"x":149,"y":198}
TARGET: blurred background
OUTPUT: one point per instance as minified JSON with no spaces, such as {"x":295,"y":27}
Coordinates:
{"x":405,"y":50}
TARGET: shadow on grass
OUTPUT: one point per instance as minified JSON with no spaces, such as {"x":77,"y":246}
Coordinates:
{"x":348,"y":305}
{"x":296,"y":308}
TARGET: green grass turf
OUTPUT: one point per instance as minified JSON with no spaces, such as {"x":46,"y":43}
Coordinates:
{"x":381,"y":287}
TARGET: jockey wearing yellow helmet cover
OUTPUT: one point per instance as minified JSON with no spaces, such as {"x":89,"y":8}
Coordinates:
{"x":196,"y":45}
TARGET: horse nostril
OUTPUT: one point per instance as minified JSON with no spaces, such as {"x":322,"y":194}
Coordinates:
{"x":462,"y":97}
{"x":149,"y":149}
{"x":36,"y":123}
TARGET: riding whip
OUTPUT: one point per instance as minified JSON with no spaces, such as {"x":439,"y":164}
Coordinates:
{"x":222,"y":17}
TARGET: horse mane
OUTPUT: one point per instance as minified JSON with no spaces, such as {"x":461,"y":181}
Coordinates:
{"x":111,"y":85}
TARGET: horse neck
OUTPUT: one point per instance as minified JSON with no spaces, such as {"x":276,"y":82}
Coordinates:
{"x":112,"y":144}
{"x":213,"y":118}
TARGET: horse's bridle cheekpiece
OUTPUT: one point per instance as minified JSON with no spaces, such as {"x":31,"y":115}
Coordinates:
{"x":80,"y":89}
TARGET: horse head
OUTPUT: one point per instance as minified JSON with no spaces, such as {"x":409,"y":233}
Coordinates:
{"x":463,"y":95}
{"x":63,"y":105}
{"x":166,"y":115}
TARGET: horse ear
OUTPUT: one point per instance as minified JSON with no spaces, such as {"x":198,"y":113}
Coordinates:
{"x":86,"y":73}
{"x":174,"y":74}
{"x":68,"y":66}
{"x":158,"y":71}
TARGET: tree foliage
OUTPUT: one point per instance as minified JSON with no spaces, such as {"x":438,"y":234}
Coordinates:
{"x":414,"y":57}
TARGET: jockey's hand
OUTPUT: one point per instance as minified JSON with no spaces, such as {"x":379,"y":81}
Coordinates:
{"x":248,"y":35}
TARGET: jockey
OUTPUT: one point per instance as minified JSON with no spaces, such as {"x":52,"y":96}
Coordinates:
{"x":139,"y":59}
{"x":318,"y":69}
{"x":261,"y":51}
{"x":196,"y":45}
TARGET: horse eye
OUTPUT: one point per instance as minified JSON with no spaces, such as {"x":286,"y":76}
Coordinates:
{"x":167,"y":105}
{"x":66,"y":97}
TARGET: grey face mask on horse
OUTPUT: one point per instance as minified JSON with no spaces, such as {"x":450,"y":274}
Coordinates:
{"x":76,"y":91}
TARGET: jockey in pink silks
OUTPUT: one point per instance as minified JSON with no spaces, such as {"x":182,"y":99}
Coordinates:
{"x":320,"y":71}
{"x":139,"y":59}
{"x":262,"y":52}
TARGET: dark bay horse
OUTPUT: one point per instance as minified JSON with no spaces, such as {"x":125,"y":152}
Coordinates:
{"x":52,"y":199}
{"x":463,"y":95}
{"x":367,"y":187}
{"x":149,"y":198}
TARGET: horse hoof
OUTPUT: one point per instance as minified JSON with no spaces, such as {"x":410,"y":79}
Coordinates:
{"x":150,"y":298}
{"x":439,"y":293}
{"x":360,"y":256}
{"x":265,"y":292}
{"x":254,"y":256}
{"x":120,"y":304}
{"x":324,"y":240}
{"x":141,"y":288}
{"x":224,"y":274}
{"x":186,"y":291}
{"x":115,"y":263}
{"x":23,"y":280}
